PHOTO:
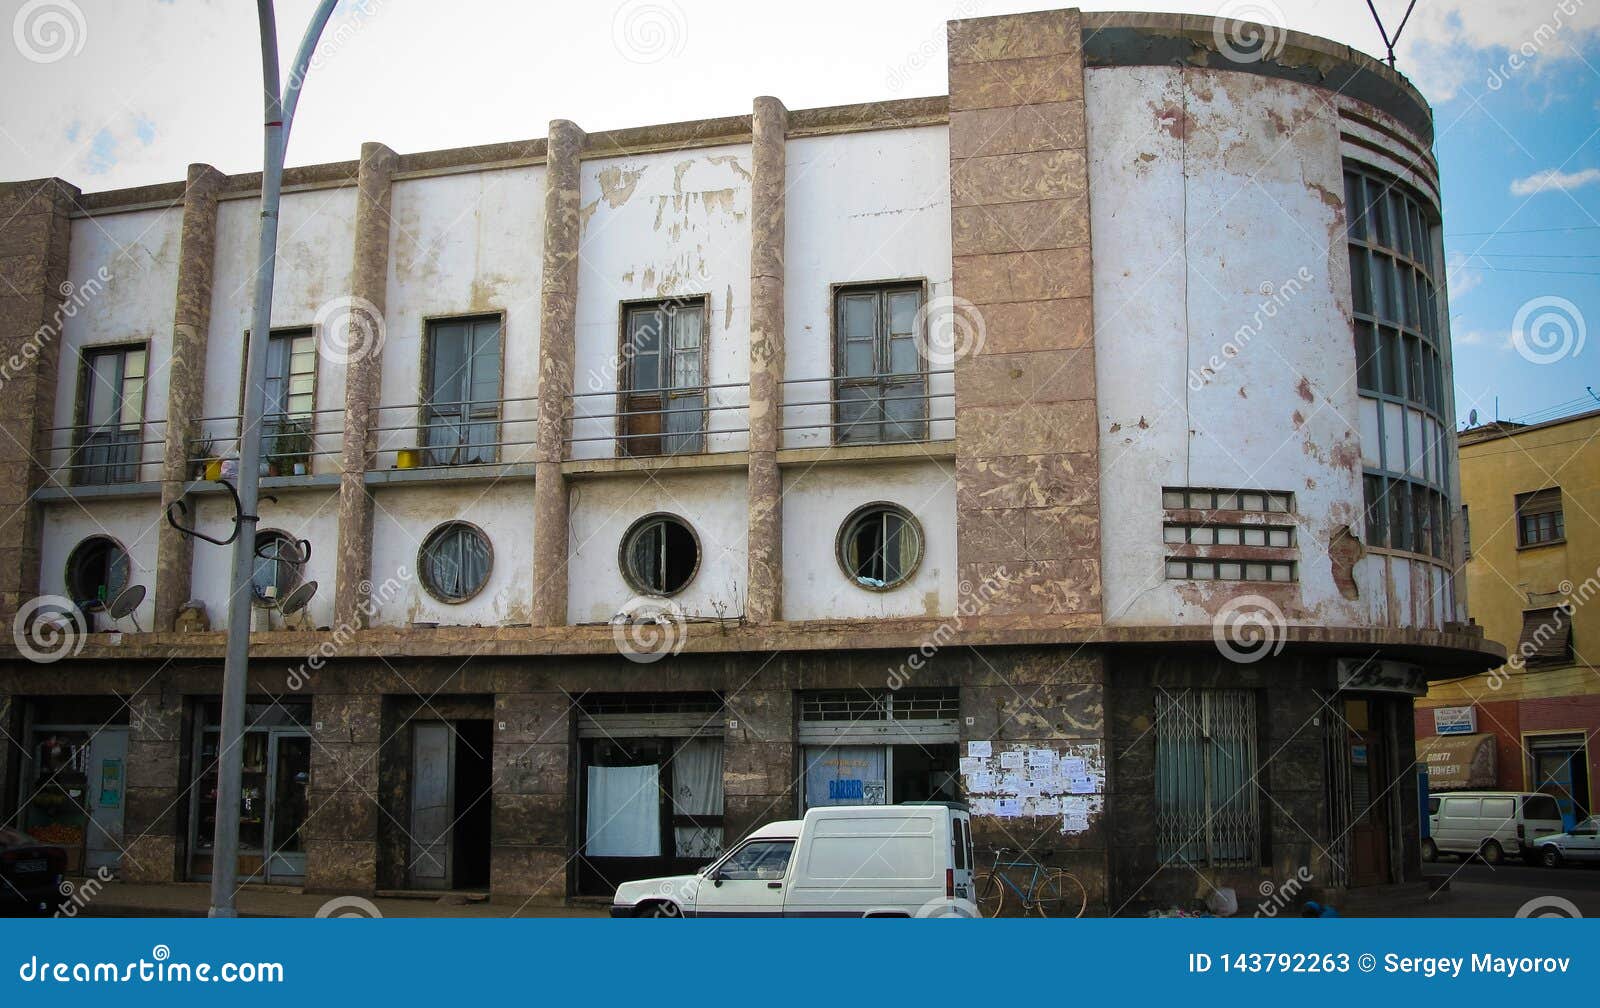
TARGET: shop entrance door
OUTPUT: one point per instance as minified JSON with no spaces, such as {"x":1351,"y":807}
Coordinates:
{"x":1561,"y":770}
{"x":289,"y":767}
{"x":76,"y":792}
{"x":1367,"y":756}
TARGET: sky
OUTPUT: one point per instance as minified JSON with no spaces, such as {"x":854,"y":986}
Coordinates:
{"x":114,"y":93}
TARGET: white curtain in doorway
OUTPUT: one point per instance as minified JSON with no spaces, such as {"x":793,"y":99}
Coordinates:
{"x":697,"y":791}
{"x":624,"y":818}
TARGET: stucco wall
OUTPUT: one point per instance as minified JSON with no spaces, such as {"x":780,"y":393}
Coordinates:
{"x":1225,"y":360}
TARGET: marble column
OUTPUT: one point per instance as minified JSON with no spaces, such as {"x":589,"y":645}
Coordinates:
{"x":191,"y":323}
{"x":369,"y":279}
{"x":558,"y":301}
{"x":769,"y":124}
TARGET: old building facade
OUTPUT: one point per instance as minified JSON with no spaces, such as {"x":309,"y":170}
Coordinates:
{"x":1533,"y":563}
{"x":1074,"y":445}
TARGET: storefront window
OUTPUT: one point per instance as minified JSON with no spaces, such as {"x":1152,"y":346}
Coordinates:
{"x":272,"y":796}
{"x":864,"y":747}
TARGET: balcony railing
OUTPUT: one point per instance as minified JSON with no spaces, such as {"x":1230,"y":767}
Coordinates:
{"x":700,"y":420}
{"x":85,"y":455}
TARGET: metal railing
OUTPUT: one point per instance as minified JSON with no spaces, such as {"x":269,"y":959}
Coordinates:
{"x":696,"y":420}
{"x":83,"y":455}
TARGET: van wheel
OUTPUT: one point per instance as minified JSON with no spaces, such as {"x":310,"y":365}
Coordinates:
{"x":1492,"y":852}
{"x":1430,"y":851}
{"x":661,"y":909}
{"x":1550,"y":857}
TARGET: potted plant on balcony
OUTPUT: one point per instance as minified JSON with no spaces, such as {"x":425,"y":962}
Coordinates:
{"x":291,"y":448}
{"x":203,"y":459}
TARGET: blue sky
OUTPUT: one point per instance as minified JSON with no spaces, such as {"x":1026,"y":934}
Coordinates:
{"x":129,"y":92}
{"x":1501,"y":237}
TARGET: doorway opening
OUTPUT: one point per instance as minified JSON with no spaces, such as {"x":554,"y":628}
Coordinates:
{"x":450,"y":804}
{"x":1559,"y":767}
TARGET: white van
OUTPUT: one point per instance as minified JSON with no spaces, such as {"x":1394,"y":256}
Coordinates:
{"x":910,"y":860}
{"x":1491,"y":824}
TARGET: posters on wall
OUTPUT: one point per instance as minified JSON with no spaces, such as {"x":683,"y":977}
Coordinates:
{"x":1036,"y":781}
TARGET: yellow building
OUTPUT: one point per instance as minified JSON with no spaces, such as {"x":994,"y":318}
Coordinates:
{"x":1531,"y":535}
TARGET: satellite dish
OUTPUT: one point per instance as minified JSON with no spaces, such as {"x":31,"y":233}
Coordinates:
{"x":125,"y":603}
{"x":1472,"y":418}
{"x":297,"y":599}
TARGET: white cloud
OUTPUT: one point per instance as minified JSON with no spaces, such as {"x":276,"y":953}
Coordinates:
{"x":1554,"y":179}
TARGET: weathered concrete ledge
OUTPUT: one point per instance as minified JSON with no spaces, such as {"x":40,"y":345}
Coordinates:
{"x":1446,"y":654}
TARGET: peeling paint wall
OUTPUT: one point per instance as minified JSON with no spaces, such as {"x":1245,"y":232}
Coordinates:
{"x":464,"y":245}
{"x":669,"y":225}
{"x":861,"y":207}
{"x":711,"y":503}
{"x":1226,"y":360}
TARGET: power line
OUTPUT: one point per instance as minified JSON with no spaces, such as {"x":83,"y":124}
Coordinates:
{"x":1511,"y":231}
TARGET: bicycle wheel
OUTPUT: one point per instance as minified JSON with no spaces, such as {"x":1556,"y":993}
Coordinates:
{"x":1057,"y":892}
{"x":991,"y":893}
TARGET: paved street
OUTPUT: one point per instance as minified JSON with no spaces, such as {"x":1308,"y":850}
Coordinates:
{"x":1477,"y":890}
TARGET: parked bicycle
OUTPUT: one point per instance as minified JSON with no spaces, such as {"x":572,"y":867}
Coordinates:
{"x":1046,"y":891}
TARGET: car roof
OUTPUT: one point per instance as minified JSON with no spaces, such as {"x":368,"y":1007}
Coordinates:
{"x":784,"y":828}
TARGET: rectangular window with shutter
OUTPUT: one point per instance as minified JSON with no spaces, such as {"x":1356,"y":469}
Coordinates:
{"x":1546,"y":637}
{"x":1539,"y":518}
{"x":880,"y":380}
{"x":461,"y":402}
{"x":1206,"y":806}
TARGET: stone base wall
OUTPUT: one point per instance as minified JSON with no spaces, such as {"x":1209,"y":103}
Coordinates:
{"x":1295,"y":697}
{"x":1077,"y":700}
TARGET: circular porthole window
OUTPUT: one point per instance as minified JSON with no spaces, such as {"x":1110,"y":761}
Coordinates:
{"x":659,"y":555}
{"x":454,"y":561}
{"x":279,"y":566}
{"x":880,"y":546}
{"x":97,"y":569}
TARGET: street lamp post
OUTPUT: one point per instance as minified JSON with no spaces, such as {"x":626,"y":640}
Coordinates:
{"x":280,"y":100}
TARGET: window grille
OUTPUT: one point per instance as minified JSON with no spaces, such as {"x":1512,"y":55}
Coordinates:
{"x":1206,"y":807}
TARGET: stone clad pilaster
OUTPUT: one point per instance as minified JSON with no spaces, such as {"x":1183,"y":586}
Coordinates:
{"x":558,"y":297}
{"x":1027,"y":443}
{"x":769,"y":125}
{"x":191,"y":323}
{"x":369,"y":280}
{"x":33,"y":276}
